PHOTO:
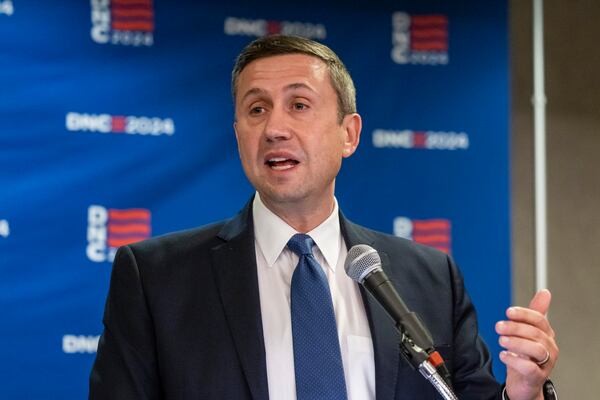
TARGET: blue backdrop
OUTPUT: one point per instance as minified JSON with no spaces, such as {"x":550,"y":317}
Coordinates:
{"x":116,"y":125}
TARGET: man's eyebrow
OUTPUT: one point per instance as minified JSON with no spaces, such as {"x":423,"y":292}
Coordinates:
{"x":252,"y":92}
{"x":292,"y":86}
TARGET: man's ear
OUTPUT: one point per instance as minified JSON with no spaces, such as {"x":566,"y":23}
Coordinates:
{"x":237,"y":138}
{"x":352,"y":125}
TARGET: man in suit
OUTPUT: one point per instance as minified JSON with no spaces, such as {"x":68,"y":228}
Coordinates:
{"x":212,"y":313}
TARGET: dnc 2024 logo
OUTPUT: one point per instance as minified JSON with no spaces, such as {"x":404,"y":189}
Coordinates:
{"x":111,"y":228}
{"x":132,"y":125}
{"x":234,"y":26}
{"x":4,"y":228}
{"x":436,"y":233}
{"x":123,"y":22}
{"x":424,"y":140}
{"x":419,"y":39}
{"x":6,"y":7}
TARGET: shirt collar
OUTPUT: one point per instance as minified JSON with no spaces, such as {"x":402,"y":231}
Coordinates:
{"x":272,"y":233}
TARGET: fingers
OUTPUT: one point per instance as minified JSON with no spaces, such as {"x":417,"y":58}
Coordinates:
{"x":524,"y":323}
{"x":525,"y":348}
{"x":531,"y":349}
{"x":530,"y":317}
{"x":528,"y":341}
{"x":541,"y":301}
{"x":530,"y":370}
{"x":528,"y":337}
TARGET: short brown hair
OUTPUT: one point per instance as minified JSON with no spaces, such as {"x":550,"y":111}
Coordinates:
{"x":279,"y":45}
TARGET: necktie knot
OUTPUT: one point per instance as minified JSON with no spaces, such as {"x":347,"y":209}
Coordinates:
{"x":301,"y":244}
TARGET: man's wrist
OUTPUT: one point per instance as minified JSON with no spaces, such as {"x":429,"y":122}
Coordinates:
{"x":548,"y":391}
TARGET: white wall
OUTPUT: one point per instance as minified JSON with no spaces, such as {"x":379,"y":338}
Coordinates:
{"x":573,"y":90}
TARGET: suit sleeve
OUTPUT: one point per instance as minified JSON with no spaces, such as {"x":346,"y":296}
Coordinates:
{"x":472,"y":377}
{"x":126,"y":363}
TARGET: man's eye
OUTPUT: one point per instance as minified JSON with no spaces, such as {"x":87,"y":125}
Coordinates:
{"x":300,"y":106}
{"x":257,"y":110}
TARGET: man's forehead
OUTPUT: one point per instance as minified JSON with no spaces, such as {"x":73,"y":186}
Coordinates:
{"x":288,"y":59}
{"x":289,"y":71}
{"x":282,"y":66}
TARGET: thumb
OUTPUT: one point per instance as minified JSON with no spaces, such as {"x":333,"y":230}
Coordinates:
{"x":541,"y":301}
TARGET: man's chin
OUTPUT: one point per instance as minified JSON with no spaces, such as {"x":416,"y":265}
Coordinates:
{"x":280,"y":197}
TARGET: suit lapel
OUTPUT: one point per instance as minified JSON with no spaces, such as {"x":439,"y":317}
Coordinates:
{"x":384,"y":334}
{"x":234,"y":266}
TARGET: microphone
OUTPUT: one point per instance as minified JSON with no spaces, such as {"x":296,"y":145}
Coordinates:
{"x":363,"y":265}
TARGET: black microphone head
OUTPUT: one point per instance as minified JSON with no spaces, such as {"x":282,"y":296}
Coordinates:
{"x":362,"y":259}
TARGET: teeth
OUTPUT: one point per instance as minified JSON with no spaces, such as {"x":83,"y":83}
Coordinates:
{"x":278,"y":159}
{"x":281,"y":167}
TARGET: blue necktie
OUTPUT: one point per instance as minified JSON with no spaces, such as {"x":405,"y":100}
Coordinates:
{"x":317,"y":357}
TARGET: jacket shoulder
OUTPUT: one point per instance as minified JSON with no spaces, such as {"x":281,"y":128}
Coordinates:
{"x":391,"y":244}
{"x":177,"y":244}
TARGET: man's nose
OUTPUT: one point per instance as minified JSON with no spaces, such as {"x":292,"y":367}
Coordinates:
{"x":278,"y":125}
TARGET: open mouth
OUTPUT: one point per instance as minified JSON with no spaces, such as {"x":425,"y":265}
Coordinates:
{"x":280,"y":164}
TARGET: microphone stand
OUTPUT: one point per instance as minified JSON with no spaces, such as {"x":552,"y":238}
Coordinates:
{"x":431,"y":374}
{"x":429,"y":364}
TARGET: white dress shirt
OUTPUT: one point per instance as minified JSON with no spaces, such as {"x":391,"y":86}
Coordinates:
{"x":275,"y":266}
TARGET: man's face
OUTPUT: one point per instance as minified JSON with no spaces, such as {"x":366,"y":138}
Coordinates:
{"x":289,"y":138}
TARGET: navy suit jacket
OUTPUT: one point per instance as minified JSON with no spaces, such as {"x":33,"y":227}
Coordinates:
{"x":183,"y":319}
